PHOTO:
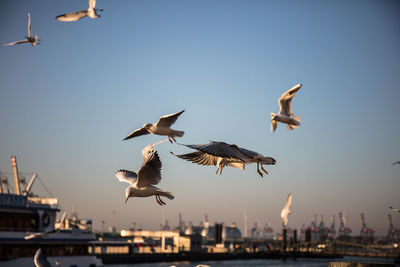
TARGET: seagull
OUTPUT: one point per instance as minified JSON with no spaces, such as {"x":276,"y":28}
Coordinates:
{"x":40,"y":259}
{"x":396,"y":163}
{"x":28,"y":39}
{"x":44,"y":234}
{"x":285,"y":112}
{"x":142,"y":182}
{"x":223,"y":154}
{"x":286,"y":210}
{"x":162,"y":127}
{"x":91,"y":12}
{"x":394,"y":209}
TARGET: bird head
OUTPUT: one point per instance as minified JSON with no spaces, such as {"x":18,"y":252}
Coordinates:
{"x":35,"y":40}
{"x":147,"y":125}
{"x":129,"y":192}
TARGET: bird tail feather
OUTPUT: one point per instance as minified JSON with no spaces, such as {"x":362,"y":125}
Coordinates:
{"x":296,"y":119}
{"x":179,"y":133}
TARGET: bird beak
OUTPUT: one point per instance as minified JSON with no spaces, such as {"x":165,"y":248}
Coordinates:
{"x":126,"y":199}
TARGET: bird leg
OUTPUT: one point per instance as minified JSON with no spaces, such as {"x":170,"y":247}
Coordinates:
{"x":159,"y":203}
{"x":162,"y":202}
{"x":173,"y":138}
{"x":159,"y":200}
{"x":258,"y":169}
{"x":220,"y":170}
{"x":262,"y":168}
{"x":169,"y":139}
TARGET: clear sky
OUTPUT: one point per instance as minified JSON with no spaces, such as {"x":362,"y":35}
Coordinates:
{"x":66,"y":104}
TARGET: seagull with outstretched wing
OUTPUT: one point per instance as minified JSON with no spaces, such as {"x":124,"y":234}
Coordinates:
{"x":285,"y":113}
{"x":223,"y":154}
{"x":91,"y":12}
{"x":28,"y":39}
{"x":142,"y":183}
{"x":44,"y":234}
{"x":161,"y":127}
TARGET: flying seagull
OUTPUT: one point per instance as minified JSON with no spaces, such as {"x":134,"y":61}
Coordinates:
{"x":285,"y":112}
{"x":91,"y":12}
{"x":28,"y":39}
{"x":286,"y":210}
{"x":44,"y":234}
{"x":40,"y":259}
{"x":396,"y":163}
{"x":142,"y":182}
{"x":161,"y":127}
{"x":394,"y":209}
{"x":223,"y":154}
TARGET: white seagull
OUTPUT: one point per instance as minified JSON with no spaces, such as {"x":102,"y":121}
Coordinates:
{"x":142,"y":182}
{"x":286,"y":210}
{"x":40,"y":259}
{"x":44,"y":234}
{"x":91,"y":12}
{"x":223,"y":154}
{"x":285,"y":112}
{"x":28,"y":39}
{"x":161,"y":127}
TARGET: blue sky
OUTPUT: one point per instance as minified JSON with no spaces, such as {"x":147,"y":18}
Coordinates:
{"x":67,"y":103}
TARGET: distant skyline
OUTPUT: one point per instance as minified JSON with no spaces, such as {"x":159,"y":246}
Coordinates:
{"x":66,"y":105}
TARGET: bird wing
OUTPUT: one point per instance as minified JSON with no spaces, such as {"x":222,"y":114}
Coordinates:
{"x":220,"y":149}
{"x":394,"y":209}
{"x":17,"y":42}
{"x":72,"y":16}
{"x":126,"y":176}
{"x":208,"y":159}
{"x":138,"y":132}
{"x":34,"y":235}
{"x":396,"y":162}
{"x":150,"y":172}
{"x":150,"y":148}
{"x":168,"y":120}
{"x":28,"y":237}
{"x":288,"y":202}
{"x":63,"y":218}
{"x":199,"y":158}
{"x":29,"y":25}
{"x":250,"y":153}
{"x":285,"y":101}
{"x":40,"y":259}
{"x":92,"y":4}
